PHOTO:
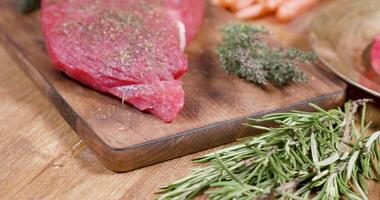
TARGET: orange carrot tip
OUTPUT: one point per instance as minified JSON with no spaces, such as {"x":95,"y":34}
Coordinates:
{"x":251,"y":12}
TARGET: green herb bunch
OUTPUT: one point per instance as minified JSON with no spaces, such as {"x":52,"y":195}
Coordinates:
{"x":27,"y":6}
{"x":245,"y":53}
{"x":319,"y":155}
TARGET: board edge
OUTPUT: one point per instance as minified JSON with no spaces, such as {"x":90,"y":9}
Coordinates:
{"x":170,"y":147}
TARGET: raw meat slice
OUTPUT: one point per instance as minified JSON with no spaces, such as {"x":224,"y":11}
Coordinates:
{"x":375,"y":55}
{"x":131,"y":49}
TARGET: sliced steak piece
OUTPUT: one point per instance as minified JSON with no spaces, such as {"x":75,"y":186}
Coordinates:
{"x":131,"y":49}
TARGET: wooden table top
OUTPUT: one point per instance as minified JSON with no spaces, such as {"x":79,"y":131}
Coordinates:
{"x":42,"y":158}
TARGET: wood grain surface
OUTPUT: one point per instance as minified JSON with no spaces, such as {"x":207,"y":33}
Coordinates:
{"x":124,"y":138}
{"x":41,"y":157}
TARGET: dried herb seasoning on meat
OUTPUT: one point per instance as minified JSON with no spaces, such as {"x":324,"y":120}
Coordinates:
{"x":244,"y":52}
{"x":128,"y":48}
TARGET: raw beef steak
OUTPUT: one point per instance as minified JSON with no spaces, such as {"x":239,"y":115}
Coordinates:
{"x":132,"y":49}
{"x":375,"y":55}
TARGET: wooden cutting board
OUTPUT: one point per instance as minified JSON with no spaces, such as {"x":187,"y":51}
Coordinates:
{"x":216,"y":104}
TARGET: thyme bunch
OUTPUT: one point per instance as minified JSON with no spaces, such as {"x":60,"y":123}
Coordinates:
{"x":301,"y":158}
{"x":245,"y":53}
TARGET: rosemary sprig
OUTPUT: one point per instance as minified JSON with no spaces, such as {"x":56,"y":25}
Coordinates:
{"x":319,"y":155}
{"x":245,"y":53}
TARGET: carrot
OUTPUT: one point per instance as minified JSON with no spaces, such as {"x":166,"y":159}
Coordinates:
{"x":240,"y":4}
{"x":291,"y":9}
{"x":227,"y":3}
{"x":253,"y":11}
{"x":285,"y":10}
{"x":216,"y":2}
{"x":272,"y":5}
